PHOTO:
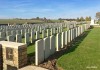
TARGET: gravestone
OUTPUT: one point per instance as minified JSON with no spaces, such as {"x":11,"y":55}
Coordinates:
{"x":13,"y":32}
{"x":48,"y":32}
{"x":66,"y":38}
{"x":76,"y":31}
{"x":22,"y":32}
{"x":46,"y":47}
{"x":37,"y":35}
{"x":62,"y":39}
{"x":18,"y":32}
{"x":58,"y":42}
{"x":18,"y":38}
{"x":57,"y":30}
{"x":8,"y":33}
{"x":10,"y":38}
{"x":27,"y":38}
{"x":3,"y":35}
{"x":29,"y":31}
{"x":52,"y":45}
{"x":69,"y":35}
{"x":51,"y":31}
{"x":54,"y":31}
{"x":32,"y":37}
{"x":43,"y":34}
{"x":39,"y":51}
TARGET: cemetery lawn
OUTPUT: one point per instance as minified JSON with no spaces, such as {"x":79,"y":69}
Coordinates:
{"x":30,"y":48}
{"x":85,"y":55}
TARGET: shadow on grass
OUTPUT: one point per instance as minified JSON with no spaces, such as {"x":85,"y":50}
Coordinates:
{"x":70,"y":47}
{"x":31,"y":56}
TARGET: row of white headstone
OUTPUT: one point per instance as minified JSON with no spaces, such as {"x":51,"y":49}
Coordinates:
{"x":49,"y":45}
{"x":16,"y":36}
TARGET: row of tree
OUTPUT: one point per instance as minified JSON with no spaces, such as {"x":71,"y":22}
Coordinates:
{"x":84,"y":19}
{"x":78,"y":19}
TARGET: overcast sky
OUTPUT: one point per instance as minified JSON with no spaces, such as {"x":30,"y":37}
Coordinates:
{"x":48,"y":8}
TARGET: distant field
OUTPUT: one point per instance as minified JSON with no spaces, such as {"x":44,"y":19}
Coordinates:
{"x":17,"y":21}
{"x":11,"y":21}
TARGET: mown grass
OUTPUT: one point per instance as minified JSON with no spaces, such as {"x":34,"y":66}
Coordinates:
{"x":30,"y":48}
{"x":84,"y":53}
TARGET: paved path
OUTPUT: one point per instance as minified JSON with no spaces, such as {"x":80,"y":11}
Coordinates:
{"x":32,"y":68}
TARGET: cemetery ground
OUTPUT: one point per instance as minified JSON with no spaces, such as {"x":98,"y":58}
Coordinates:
{"x":81,"y":54}
{"x":84,"y":53}
{"x":31,"y":49}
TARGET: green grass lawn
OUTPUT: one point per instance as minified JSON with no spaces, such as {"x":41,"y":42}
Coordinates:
{"x":84,"y":54}
{"x":30,"y":48}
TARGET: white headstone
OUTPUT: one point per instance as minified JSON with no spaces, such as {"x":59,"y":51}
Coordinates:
{"x":32,"y":36}
{"x":52,"y":44}
{"x":39,"y":51}
{"x":62,"y":39}
{"x":27,"y":38}
{"x":58,"y":42}
{"x":46,"y":47}
{"x":10,"y":38}
{"x":18,"y":38}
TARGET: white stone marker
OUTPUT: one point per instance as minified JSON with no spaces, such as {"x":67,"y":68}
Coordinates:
{"x":27,"y":38}
{"x":37,"y":35}
{"x":13,"y":33}
{"x":54,"y":31}
{"x":46,"y":47}
{"x":66,"y":38}
{"x":18,"y":32}
{"x":10,"y":38}
{"x":51,"y":31}
{"x":3,"y":35}
{"x":69,"y":36}
{"x":43,"y":34}
{"x":26,"y":30}
{"x":18,"y":38}
{"x":76,"y":31}
{"x":62,"y":39}
{"x":39,"y":51}
{"x":48,"y":32}
{"x":73,"y":33}
{"x":57,"y":31}
{"x":8,"y":33}
{"x":22,"y":32}
{"x":58,"y":42}
{"x":32,"y":36}
{"x":29,"y":31}
{"x":52,"y":45}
